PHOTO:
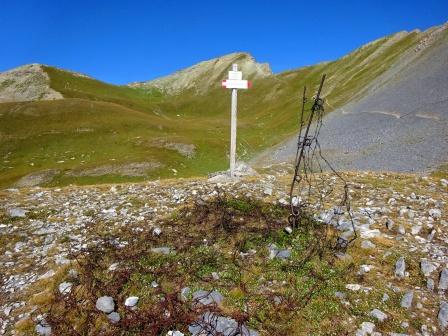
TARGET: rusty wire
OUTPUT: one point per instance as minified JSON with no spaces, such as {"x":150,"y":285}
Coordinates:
{"x":310,"y":189}
{"x":75,"y":313}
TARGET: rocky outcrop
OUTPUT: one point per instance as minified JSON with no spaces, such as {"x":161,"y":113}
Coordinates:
{"x":26,"y":83}
{"x":202,"y":76}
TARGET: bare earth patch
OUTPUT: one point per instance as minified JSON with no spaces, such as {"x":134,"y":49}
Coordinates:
{"x":130,"y":169}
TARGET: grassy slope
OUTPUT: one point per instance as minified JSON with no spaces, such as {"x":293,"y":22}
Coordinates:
{"x":268,"y":111}
{"x":124,"y":121}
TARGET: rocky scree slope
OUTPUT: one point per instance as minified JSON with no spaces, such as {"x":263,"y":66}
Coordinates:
{"x":399,"y":124}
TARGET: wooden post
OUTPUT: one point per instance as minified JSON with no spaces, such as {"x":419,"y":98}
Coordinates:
{"x":234,"y":82}
{"x":233,"y":127}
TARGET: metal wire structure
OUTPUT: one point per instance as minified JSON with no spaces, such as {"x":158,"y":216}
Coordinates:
{"x":310,"y":189}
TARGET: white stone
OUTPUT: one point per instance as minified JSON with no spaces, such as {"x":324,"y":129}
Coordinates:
{"x":443,"y":315}
{"x":157,"y":231}
{"x":114,"y":317}
{"x":400,"y":267}
{"x":427,"y":267}
{"x":268,"y":191}
{"x":43,"y":329}
{"x":367,"y":244}
{"x":367,"y":234}
{"x":406,"y":300}
{"x":288,"y":229}
{"x":416,"y":229}
{"x":17,"y":212}
{"x":353,"y":287}
{"x":113,"y":266}
{"x":105,"y":304}
{"x":65,"y":287}
{"x":365,"y":268}
{"x":366,"y":329}
{"x":435,"y":213}
{"x":443,"y":281}
{"x":131,"y":301}
{"x":47,"y":275}
{"x":174,"y":333}
{"x":378,"y":314}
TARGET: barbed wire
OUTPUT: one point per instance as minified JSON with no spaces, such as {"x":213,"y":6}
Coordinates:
{"x":310,"y":188}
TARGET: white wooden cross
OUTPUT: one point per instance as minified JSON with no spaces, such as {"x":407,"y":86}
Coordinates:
{"x":234,"y":82}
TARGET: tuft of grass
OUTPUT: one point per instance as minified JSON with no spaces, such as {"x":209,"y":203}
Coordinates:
{"x":441,"y":172}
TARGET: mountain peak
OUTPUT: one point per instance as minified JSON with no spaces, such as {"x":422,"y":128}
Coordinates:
{"x":26,"y":83}
{"x":201,"y":76}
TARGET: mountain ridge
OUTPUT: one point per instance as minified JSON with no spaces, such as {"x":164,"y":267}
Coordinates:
{"x":128,"y":126}
{"x":209,"y":71}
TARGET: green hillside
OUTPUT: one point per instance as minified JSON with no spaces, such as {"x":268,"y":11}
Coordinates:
{"x":104,"y":125}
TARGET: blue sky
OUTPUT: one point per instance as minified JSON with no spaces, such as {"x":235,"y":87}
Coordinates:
{"x":125,"y":41}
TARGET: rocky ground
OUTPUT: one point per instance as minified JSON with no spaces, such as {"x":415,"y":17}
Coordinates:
{"x":399,"y":263}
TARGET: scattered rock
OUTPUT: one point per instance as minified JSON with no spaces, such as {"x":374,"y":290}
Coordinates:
{"x":400,"y":267}
{"x":378,"y":314}
{"x":367,"y":328}
{"x":174,"y":333}
{"x":389,"y":224}
{"x":353,"y":287}
{"x":114,"y":317}
{"x":206,"y":297}
{"x":367,"y":244}
{"x":367,"y":234}
{"x":131,"y":301}
{"x":430,"y":284}
{"x":105,"y":304}
{"x":406,"y":300}
{"x":185,"y":293}
{"x":340,"y":295}
{"x":7,"y":310}
{"x":443,"y":280}
{"x":162,"y":250}
{"x":443,"y":315}
{"x":431,"y":235}
{"x":73,"y":273}
{"x":364,"y":269}
{"x":47,"y":275}
{"x":65,"y":287}
{"x":221,"y":325}
{"x":16,"y":212}
{"x":157,"y":231}
{"x":435,"y":213}
{"x":268,"y":191}
{"x":275,"y":252}
{"x":415,"y":229}
{"x":113,"y":267}
{"x":427,"y":267}
{"x":43,"y":328}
